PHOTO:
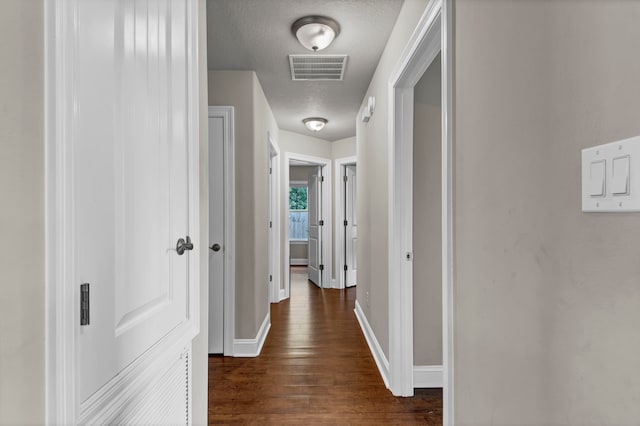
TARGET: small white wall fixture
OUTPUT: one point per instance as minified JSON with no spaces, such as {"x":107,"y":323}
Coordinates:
{"x":227,"y":114}
{"x":326,"y":216}
{"x":339,"y":215}
{"x":431,"y":36}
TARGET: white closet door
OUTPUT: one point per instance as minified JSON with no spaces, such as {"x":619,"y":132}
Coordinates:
{"x":131,"y":190}
{"x":314,"y":205}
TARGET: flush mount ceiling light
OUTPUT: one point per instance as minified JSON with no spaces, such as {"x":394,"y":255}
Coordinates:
{"x":315,"y":124}
{"x":315,"y":32}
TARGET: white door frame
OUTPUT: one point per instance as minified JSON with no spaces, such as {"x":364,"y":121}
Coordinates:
{"x":274,"y":249}
{"x":326,"y":216}
{"x":431,"y":36}
{"x":227,"y":115}
{"x":338,"y":214}
{"x":62,"y":301}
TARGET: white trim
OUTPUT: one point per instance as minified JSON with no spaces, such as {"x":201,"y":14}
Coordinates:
{"x":274,"y":284}
{"x":447,"y":214}
{"x":227,"y":114}
{"x":253,"y":347}
{"x":422,"y":48}
{"x":427,"y":376}
{"x":61,"y":49}
{"x":338,"y":183}
{"x":299,"y":242}
{"x":282,"y":294}
{"x":296,"y":262}
{"x":374,"y":346}
{"x":326,"y":213}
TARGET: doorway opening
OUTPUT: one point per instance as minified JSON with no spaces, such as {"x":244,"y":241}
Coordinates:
{"x":346,"y":235}
{"x":308,"y":239}
{"x":431,"y":38}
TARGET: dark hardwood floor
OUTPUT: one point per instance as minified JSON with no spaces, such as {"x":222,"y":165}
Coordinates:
{"x":315,"y":368}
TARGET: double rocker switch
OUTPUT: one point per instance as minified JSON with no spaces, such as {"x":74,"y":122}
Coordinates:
{"x":618,"y":178}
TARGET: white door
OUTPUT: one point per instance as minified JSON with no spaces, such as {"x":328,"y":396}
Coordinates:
{"x":270,"y":254}
{"x":130,"y":164}
{"x":216,"y":234}
{"x":314,"y":205}
{"x":351,"y":227}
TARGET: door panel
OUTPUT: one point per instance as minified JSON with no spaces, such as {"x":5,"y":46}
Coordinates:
{"x":314,"y":205}
{"x":130,"y":180}
{"x":216,"y":234}
{"x":351,"y":230}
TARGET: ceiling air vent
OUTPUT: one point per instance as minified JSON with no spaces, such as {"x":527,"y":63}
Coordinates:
{"x":317,"y":67}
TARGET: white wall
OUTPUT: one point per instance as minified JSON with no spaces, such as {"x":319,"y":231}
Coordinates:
{"x":373,"y":191}
{"x":22,"y":291}
{"x":547,"y":298}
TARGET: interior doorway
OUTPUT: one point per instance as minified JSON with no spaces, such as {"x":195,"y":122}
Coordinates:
{"x":346,"y":224}
{"x":308,"y":239}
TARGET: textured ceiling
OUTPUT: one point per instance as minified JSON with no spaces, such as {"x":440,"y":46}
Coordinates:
{"x":256,"y":35}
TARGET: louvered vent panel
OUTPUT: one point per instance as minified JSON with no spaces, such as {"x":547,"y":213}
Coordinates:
{"x":317,"y":67}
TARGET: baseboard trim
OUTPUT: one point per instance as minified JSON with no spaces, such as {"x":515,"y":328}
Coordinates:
{"x":252,"y":347}
{"x":299,"y":262}
{"x":428,"y":376}
{"x":374,"y":346}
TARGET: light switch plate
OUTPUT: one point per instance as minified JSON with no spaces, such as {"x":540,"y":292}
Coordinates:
{"x":621,"y":177}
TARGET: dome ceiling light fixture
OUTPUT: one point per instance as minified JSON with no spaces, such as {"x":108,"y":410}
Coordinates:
{"x":315,"y":32}
{"x":315,"y":124}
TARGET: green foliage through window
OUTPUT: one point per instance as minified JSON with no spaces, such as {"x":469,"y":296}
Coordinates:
{"x":298,"y":198}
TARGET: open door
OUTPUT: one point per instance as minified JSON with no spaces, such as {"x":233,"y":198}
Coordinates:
{"x":350,"y":226}
{"x":314,"y":205}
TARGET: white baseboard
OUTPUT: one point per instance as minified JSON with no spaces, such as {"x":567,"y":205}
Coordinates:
{"x":427,"y":376}
{"x":295,"y":262}
{"x":252,"y":347}
{"x":374,"y":346}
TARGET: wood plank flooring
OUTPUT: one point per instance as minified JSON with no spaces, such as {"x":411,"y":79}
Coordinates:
{"x":315,"y":368}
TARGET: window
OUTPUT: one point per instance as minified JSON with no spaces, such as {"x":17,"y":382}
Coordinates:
{"x":298,"y":213}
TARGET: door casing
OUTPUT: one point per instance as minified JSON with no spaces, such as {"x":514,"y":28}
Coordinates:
{"x":433,"y":34}
{"x":326,"y":213}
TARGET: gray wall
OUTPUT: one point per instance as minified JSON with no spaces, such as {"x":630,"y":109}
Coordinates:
{"x":22,"y":292}
{"x":373,"y":192}
{"x":547,"y":298}
{"x":253,"y":118}
{"x":427,"y":218}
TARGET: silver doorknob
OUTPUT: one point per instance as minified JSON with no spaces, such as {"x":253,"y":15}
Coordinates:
{"x":215,"y":247}
{"x":183,"y":245}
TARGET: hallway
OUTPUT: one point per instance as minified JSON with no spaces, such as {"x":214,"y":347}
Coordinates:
{"x":315,"y":368}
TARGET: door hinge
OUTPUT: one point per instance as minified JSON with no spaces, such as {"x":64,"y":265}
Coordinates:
{"x":346,"y":267}
{"x":270,"y":278}
{"x":270,"y":170}
{"x":346,"y":223}
{"x":321,"y":223}
{"x":270,"y":224}
{"x":321,"y":267}
{"x":84,"y":304}
{"x":321,"y":178}
{"x":345,"y":178}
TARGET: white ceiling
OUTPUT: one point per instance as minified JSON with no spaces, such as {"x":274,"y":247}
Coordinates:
{"x":256,"y":35}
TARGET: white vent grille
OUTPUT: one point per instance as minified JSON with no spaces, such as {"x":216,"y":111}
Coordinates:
{"x":317,"y":67}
